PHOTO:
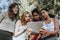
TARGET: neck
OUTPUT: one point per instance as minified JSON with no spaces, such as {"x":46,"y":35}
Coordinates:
{"x":48,"y":19}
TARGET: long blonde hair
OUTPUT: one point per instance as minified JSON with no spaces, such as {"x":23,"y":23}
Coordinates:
{"x":23,"y":21}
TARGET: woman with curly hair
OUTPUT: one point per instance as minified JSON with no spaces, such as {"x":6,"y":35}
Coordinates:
{"x":7,"y":22}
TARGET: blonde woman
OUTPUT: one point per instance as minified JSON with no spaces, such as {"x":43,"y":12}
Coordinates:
{"x":20,"y":29}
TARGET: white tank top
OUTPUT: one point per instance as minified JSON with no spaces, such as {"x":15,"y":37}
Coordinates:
{"x":49,"y":27}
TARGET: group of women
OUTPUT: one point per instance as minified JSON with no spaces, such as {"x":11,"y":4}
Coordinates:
{"x":13,"y":28}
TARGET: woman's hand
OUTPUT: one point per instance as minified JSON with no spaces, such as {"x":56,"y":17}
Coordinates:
{"x":44,"y":32}
{"x":29,"y":31}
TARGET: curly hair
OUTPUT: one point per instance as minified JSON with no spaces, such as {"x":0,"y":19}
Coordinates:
{"x":11,"y":14}
{"x":36,"y":11}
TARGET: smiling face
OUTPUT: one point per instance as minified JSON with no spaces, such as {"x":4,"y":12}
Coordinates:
{"x":44,"y":14}
{"x":15,"y":9}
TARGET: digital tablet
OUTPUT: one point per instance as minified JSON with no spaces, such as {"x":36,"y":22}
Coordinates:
{"x":35,"y":26}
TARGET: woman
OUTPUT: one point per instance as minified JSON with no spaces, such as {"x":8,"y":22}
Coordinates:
{"x":7,"y":22}
{"x":50,"y":26}
{"x":36,"y":15}
{"x":36,"y":18}
{"x":21,"y":27}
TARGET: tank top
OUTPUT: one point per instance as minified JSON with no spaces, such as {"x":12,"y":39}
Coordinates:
{"x":49,"y":27}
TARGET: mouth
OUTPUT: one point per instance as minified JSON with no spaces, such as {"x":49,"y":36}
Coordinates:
{"x":44,"y":16}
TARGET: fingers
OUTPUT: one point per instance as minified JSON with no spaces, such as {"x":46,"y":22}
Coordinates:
{"x":42,"y":28}
{"x":29,"y":31}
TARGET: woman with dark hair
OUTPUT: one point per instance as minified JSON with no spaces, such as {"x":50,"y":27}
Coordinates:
{"x":7,"y":22}
{"x":36,"y":15}
{"x":36,"y":18}
{"x":50,"y":26}
{"x":13,"y":11}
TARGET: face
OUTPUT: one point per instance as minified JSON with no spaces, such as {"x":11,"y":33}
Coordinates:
{"x":27,"y":17}
{"x":35,"y":16}
{"x":15,"y":9}
{"x":44,"y":14}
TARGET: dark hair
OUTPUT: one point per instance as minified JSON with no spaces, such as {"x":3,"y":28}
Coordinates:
{"x":50,"y":15}
{"x":36,"y":11}
{"x":45,"y":9}
{"x":11,"y":14}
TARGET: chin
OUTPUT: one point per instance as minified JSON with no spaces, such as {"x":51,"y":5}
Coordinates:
{"x":44,"y":17}
{"x":15,"y":13}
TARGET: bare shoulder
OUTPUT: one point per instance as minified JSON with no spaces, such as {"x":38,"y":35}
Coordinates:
{"x":55,"y":19}
{"x":19,"y":21}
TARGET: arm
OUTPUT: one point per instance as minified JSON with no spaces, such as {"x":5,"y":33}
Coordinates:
{"x":2,"y":15}
{"x":16,"y":32}
{"x":56,"y":29}
{"x":56,"y":25}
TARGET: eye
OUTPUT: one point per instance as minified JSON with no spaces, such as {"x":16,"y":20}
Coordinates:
{"x":43,"y":12}
{"x":26,"y":16}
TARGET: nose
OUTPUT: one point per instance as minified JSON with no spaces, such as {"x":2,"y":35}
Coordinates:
{"x":27,"y":17}
{"x":42,"y":14}
{"x":16,"y":10}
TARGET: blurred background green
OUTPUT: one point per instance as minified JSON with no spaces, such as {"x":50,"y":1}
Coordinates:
{"x":29,"y":5}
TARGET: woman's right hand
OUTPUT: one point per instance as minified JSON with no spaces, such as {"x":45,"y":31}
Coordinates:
{"x":29,"y":31}
{"x":42,"y":31}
